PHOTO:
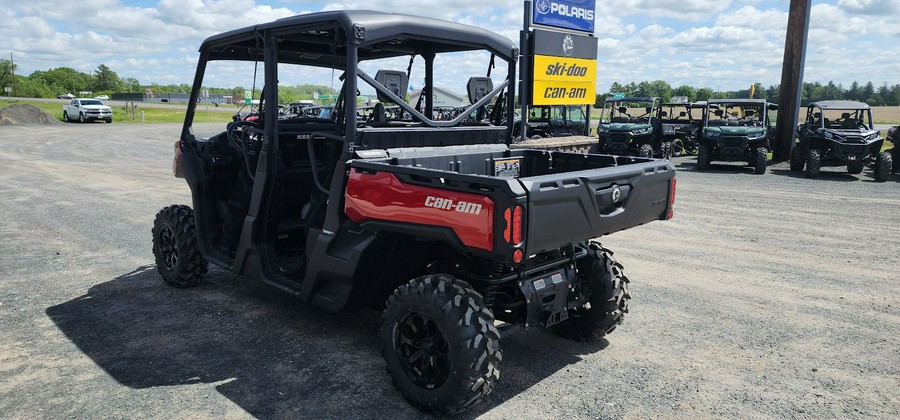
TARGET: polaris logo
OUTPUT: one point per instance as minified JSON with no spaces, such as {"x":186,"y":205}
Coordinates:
{"x":448,"y":204}
{"x":566,"y":70}
{"x":546,"y":6}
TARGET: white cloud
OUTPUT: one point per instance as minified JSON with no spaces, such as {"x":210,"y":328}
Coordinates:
{"x":724,"y":44}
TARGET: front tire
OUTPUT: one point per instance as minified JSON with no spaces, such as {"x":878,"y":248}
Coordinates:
{"x":762,"y":157}
{"x":813,"y":163}
{"x":440,"y":344}
{"x":883,"y":166}
{"x":797,"y":160}
{"x":109,"y":120}
{"x":607,"y":293}
{"x":65,"y":116}
{"x":81,"y":118}
{"x":645,"y":151}
{"x":178,"y":257}
{"x":702,"y":158}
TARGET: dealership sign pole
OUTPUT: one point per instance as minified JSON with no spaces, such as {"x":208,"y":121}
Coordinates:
{"x":559,"y":55}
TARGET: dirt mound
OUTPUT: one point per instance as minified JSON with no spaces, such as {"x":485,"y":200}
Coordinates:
{"x":20,"y":114}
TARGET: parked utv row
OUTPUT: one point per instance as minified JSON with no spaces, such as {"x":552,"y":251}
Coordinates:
{"x":719,"y":130}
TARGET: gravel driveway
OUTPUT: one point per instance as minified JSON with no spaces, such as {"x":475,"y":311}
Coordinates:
{"x":766,"y":296}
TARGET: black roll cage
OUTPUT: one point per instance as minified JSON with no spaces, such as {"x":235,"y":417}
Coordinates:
{"x":336,"y":39}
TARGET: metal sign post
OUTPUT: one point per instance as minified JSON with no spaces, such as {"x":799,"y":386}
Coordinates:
{"x":559,"y":57}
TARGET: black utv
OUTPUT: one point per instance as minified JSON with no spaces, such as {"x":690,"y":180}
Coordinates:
{"x":629,"y":127}
{"x":457,"y":238}
{"x":679,"y":128}
{"x":553,"y":121}
{"x":735,"y":130}
{"x":839,"y":133}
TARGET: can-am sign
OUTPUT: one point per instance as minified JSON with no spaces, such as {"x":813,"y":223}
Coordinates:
{"x":567,"y":14}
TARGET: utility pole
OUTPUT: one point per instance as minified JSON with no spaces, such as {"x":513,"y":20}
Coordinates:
{"x":792,"y":78}
{"x":12,"y":66}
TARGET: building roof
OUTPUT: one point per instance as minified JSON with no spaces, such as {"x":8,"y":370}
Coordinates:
{"x":414,"y":95}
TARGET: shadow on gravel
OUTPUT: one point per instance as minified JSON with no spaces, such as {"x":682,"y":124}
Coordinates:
{"x":265,"y":351}
{"x":825,"y":175}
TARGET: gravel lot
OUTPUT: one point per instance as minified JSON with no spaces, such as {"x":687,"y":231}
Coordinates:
{"x":767,"y":296}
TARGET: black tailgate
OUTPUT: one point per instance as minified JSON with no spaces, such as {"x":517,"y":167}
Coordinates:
{"x":576,"y":206}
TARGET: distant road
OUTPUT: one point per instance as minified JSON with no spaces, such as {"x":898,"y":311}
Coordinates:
{"x":228,"y":109}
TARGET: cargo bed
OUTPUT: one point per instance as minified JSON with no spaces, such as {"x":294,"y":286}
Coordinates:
{"x":567,"y":196}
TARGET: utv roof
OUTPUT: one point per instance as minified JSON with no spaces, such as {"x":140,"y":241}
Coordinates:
{"x":321,"y":38}
{"x":840,"y":105}
{"x":633,"y":99}
{"x":736,"y":101}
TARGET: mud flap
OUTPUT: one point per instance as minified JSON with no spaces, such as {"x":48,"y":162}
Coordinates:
{"x":547,"y":297}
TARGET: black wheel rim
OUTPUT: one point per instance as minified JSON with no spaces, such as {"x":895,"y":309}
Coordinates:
{"x":167,"y":250}
{"x":423,"y":350}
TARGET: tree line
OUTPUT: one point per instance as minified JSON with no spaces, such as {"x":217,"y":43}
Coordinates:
{"x":883,"y":95}
{"x":103,"y":80}
{"x":56,"y":81}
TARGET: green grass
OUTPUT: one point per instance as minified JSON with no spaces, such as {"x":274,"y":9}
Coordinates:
{"x":151,"y":115}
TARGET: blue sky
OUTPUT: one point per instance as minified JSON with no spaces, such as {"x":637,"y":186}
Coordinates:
{"x":721,"y":44}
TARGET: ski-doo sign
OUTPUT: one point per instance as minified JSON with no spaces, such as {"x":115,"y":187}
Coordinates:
{"x":567,"y":14}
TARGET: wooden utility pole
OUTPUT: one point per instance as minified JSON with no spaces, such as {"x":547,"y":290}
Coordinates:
{"x":792,"y":78}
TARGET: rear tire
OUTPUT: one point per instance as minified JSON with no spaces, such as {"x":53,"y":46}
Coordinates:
{"x":762,"y":157}
{"x":667,"y":150}
{"x":702,"y":158}
{"x":883,"y":165}
{"x":440,"y":344}
{"x":646,"y":151}
{"x":178,"y":257}
{"x":797,"y":159}
{"x":606,"y":289}
{"x":855,"y":166}
{"x":813,"y":163}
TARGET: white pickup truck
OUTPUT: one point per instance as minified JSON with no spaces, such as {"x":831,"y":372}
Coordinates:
{"x":87,"y":110}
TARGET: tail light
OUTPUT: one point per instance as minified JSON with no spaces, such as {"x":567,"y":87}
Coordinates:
{"x":671,"y":213}
{"x":517,"y":225}
{"x":176,"y":163}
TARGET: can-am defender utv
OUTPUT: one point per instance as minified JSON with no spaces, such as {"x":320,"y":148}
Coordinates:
{"x":629,"y":127}
{"x":839,"y":133}
{"x":736,"y":130}
{"x":437,"y":222}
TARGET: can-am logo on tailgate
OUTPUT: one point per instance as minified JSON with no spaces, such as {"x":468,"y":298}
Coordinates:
{"x":448,"y":204}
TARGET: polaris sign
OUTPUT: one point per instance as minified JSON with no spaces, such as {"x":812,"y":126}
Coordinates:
{"x":567,"y":14}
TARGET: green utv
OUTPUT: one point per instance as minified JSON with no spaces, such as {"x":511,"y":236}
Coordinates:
{"x":736,"y":130}
{"x":839,"y":133}
{"x":628,"y":127}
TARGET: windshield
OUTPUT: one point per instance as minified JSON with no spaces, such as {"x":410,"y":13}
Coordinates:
{"x":736,"y":114}
{"x":671,"y":113}
{"x":91,"y":102}
{"x":842,"y":119}
{"x":636,"y":112}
